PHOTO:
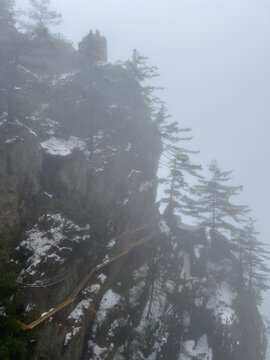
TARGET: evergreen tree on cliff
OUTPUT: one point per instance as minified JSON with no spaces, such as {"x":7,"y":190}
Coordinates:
{"x":214,"y":207}
{"x":140,"y":71}
{"x":41,"y":16}
{"x":177,"y":194}
{"x":177,"y":159}
{"x":254,"y":258}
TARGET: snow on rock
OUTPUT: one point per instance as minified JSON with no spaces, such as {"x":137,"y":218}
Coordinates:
{"x":27,"y":71}
{"x":185,"y":272}
{"x":196,"y":350}
{"x":77,"y":313}
{"x":128,"y":148}
{"x":61,"y":147}
{"x":133,"y":172}
{"x":63,"y":78}
{"x":50,"y":126}
{"x":146,"y":185}
{"x":3,"y":311}
{"x":111,"y":243}
{"x":141,"y":272}
{"x":188,"y":227}
{"x":164,"y":227}
{"x":109,"y":301}
{"x":48,"y":244}
{"x":29,"y":307}
{"x":75,"y":330}
{"x":118,"y":354}
{"x":15,"y":139}
{"x":116,"y":324}
{"x":197,"y":251}
{"x":92,"y":289}
{"x":221,"y":303}
{"x":20,"y":124}
{"x":97,"y":351}
{"x":102,"y":278}
{"x":114,"y":106}
{"x":135,"y":293}
{"x":50,"y":196}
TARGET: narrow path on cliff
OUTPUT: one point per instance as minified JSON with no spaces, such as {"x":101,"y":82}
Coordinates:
{"x":86,"y":278}
{"x":64,"y":275}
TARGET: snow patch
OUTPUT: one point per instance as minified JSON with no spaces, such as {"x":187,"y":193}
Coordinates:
{"x":128,"y":148}
{"x":135,"y":293}
{"x":50,"y":196}
{"x":185,"y":272}
{"x":79,"y":310}
{"x":45,"y":245}
{"x":61,"y":147}
{"x":164,"y":227}
{"x":221,"y":303}
{"x":118,"y":323}
{"x":94,"y":288}
{"x":141,"y":272}
{"x":188,"y":227}
{"x":71,"y":334}
{"x":111,"y":243}
{"x":146,"y":185}
{"x":97,"y":351}
{"x":196,"y":350}
{"x":197,"y":251}
{"x":109,"y":301}
{"x":63,"y":78}
{"x":31,"y":131}
{"x":102,"y":278}
{"x":12,"y":140}
{"x":133,"y":172}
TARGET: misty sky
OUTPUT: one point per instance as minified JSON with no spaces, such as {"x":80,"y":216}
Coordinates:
{"x":214,"y":61}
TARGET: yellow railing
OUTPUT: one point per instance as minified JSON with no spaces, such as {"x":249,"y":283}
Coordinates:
{"x":82,"y":283}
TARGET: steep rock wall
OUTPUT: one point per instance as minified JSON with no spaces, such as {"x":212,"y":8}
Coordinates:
{"x":78,"y":173}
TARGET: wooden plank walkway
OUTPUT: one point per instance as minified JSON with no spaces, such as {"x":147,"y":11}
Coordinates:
{"x":82,"y":283}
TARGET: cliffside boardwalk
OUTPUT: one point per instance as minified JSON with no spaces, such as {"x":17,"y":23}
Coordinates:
{"x":83,"y":282}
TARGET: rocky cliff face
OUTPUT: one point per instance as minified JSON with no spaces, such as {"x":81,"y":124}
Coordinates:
{"x":78,"y":174}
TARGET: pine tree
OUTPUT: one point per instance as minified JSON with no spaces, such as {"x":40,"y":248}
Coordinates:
{"x":169,"y":130}
{"x":137,"y":67}
{"x":177,"y":194}
{"x":254,"y":258}
{"x":41,"y":17}
{"x":175,"y":158}
{"x":140,"y":71}
{"x":214,"y":207}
